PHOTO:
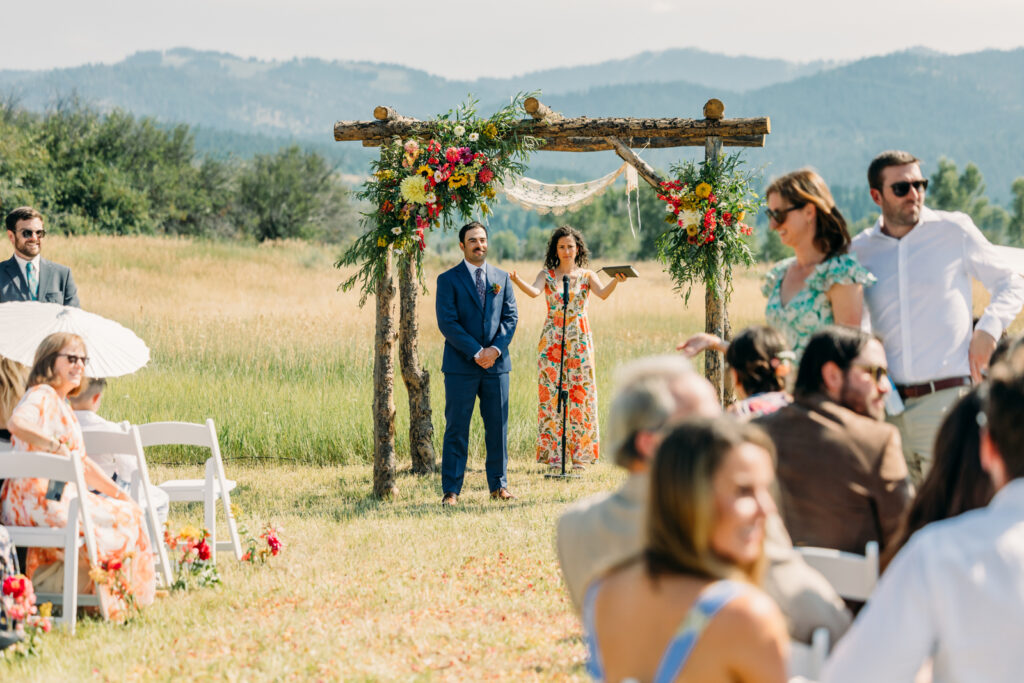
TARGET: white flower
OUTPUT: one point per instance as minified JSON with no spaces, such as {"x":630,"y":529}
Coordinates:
{"x":669,"y":208}
{"x":473,"y":137}
{"x":431,"y":198}
{"x":690,"y":217}
{"x":396,"y":231}
{"x":459,"y":131}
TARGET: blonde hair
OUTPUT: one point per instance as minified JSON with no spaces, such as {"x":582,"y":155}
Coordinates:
{"x":681,"y":508}
{"x":46,"y":358}
{"x":12,"y":386}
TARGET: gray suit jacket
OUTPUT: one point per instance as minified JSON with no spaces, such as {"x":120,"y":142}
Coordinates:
{"x":56,"y":285}
{"x":600,"y":532}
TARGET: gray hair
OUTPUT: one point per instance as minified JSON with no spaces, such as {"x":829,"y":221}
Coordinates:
{"x":645,"y":398}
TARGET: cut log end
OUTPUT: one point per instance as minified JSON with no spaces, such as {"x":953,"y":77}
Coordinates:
{"x":382,"y":113}
{"x":531,"y":105}
{"x":714,"y":109}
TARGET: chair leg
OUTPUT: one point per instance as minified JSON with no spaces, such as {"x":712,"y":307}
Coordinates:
{"x":70,"y":599}
{"x":210,"y":508}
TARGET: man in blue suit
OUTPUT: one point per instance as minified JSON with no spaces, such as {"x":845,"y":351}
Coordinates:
{"x":476,"y":313}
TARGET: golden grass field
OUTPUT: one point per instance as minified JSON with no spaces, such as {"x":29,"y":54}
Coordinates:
{"x":259,"y":339}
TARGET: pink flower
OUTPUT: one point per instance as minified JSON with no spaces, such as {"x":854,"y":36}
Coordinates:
{"x":274,"y":544}
{"x":15,"y":586}
{"x":452,"y":154}
{"x":727,"y":218}
{"x":204,"y":550}
{"x":709,"y":219}
{"x":485,"y":175}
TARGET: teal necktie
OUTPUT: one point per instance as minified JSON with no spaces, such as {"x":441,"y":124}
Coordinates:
{"x":33,"y":281}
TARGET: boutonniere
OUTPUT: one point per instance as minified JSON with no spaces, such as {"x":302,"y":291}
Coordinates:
{"x":495,"y":288}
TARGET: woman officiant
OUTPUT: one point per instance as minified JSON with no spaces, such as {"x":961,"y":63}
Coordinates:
{"x":567,"y":256}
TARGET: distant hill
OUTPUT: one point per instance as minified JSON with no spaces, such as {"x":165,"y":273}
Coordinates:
{"x":834,"y":117}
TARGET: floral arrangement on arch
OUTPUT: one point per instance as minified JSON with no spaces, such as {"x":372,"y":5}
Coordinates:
{"x":706,"y":205}
{"x":18,"y":599}
{"x":448,"y":170}
{"x":192,"y":558}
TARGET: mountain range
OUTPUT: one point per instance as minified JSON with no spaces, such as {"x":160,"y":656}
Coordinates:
{"x":829,"y":115}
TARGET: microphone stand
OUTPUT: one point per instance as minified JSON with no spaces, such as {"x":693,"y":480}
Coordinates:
{"x":563,"y":393}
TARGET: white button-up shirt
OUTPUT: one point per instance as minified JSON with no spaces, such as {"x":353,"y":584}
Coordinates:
{"x":954,"y":593}
{"x":921,"y":304}
{"x":21,"y":264}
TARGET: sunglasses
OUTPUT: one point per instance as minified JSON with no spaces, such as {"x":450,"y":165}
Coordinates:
{"x":901,"y":188}
{"x":779,"y":215}
{"x":876,"y":372}
{"x":28,"y":234}
{"x":72,"y":358}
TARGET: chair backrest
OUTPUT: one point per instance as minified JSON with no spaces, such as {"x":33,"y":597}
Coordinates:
{"x":853,"y":576}
{"x":178,"y":434}
{"x":35,"y":465}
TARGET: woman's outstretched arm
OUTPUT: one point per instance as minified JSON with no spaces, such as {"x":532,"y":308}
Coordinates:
{"x":532,"y":291}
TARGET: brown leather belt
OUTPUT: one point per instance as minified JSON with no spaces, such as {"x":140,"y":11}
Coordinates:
{"x":918,"y":390}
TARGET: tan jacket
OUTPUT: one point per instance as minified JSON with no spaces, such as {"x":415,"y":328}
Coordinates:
{"x":842,"y":476}
{"x":600,"y":532}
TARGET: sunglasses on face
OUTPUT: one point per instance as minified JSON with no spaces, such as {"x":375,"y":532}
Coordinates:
{"x":779,"y":215}
{"x":72,"y":358}
{"x":28,"y":234}
{"x":901,"y":188}
{"x":876,"y":372}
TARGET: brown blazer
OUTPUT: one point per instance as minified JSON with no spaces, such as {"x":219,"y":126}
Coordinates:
{"x":842,"y":476}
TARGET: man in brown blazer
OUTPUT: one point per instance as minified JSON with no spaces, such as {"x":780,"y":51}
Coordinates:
{"x":841,"y":472}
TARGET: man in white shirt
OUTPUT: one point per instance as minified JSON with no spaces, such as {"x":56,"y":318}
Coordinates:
{"x":955,"y":592}
{"x":120,"y":467}
{"x":27,"y":276}
{"x":921,"y":305}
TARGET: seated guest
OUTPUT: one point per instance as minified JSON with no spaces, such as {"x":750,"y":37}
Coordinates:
{"x":688,"y":606}
{"x":842,"y":475}
{"x":42,"y":421}
{"x":121,"y":468}
{"x":602,"y":531}
{"x":759,"y":361}
{"x":955,"y":592}
{"x":12,"y":386}
{"x":956,"y":482}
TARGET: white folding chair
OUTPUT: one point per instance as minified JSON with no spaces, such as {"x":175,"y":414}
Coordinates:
{"x":24,"y":464}
{"x":807,"y":661}
{"x":215,"y":485}
{"x":853,"y":576}
{"x":127,"y":442}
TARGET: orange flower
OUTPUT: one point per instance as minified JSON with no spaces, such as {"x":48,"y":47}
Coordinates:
{"x":577,"y":394}
{"x":554,"y":353}
{"x":576,"y":415}
{"x":572,"y":363}
{"x":545,"y":395}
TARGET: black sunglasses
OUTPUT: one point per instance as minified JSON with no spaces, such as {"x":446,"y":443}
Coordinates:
{"x":72,"y":358}
{"x":779,"y":215}
{"x":877,"y":372}
{"x":27,"y":234}
{"x":901,"y":188}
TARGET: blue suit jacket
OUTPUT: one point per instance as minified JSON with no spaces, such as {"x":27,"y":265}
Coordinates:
{"x":56,"y":285}
{"x":467,"y":327}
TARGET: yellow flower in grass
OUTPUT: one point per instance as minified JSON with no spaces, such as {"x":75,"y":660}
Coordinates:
{"x":702,"y":190}
{"x":191,"y":532}
{"x":46,"y":610}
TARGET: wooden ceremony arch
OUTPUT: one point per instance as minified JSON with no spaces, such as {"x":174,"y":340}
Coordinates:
{"x":581,"y":134}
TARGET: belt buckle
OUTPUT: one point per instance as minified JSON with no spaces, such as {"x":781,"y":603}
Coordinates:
{"x":931,"y":387}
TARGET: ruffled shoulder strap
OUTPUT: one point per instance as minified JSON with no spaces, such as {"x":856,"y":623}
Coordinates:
{"x":843,"y":269}
{"x":774,"y":276}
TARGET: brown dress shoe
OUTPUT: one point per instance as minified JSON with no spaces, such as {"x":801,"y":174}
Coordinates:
{"x":502,"y":494}
{"x":450,"y":500}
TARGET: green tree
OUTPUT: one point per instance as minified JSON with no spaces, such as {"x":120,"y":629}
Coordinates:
{"x":505,"y":245}
{"x":950,"y":191}
{"x":1015,"y":229}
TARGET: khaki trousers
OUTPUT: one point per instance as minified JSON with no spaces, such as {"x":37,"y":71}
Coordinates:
{"x":918,"y":425}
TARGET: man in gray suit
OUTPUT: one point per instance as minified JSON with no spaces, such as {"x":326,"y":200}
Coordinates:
{"x":599,"y":532}
{"x":27,"y":276}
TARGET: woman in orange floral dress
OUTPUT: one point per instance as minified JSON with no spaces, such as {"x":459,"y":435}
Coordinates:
{"x":567,"y":256}
{"x":43,"y":421}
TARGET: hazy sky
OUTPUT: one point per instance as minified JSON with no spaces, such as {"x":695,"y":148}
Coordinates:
{"x":472,"y":38}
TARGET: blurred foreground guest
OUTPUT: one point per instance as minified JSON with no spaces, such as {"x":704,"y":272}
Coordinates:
{"x":602,"y":531}
{"x":12,"y":386}
{"x":956,"y":482}
{"x":121,"y":468}
{"x":43,"y":421}
{"x":841,"y":470}
{"x":688,"y":606}
{"x":955,"y":592}
{"x":759,"y":361}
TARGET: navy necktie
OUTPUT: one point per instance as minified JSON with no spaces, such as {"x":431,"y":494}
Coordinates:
{"x":480,"y":285}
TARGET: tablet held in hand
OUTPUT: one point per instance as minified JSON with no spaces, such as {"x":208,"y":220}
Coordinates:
{"x":628,"y":271}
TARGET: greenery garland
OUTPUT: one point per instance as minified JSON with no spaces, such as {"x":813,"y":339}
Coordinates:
{"x":706,"y":204}
{"x":429,"y":180}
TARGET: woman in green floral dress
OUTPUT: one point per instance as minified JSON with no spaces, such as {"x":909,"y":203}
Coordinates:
{"x":821,"y":284}
{"x":567,"y":257}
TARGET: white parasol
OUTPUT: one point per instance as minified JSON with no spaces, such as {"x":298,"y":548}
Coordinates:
{"x":113,"y":349}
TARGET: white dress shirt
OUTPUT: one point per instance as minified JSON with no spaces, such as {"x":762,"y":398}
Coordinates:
{"x":472,"y":276}
{"x":124,"y":466}
{"x":921,"y":304}
{"x":954,"y":593}
{"x":21,"y":264}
